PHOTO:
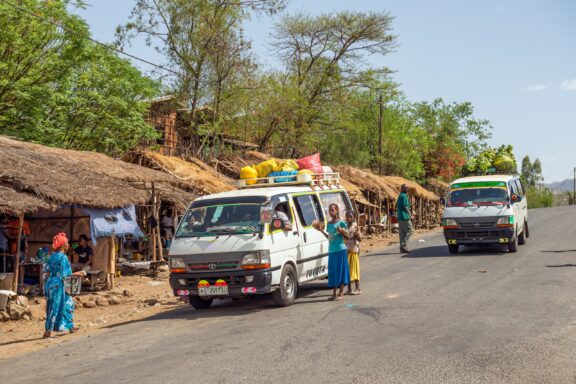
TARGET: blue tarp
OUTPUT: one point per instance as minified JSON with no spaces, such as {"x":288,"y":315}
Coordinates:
{"x":113,"y":222}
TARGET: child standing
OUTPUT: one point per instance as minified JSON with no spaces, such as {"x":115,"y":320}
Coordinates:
{"x":352,"y":244}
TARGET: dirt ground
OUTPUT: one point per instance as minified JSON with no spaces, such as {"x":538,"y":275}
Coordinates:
{"x":150,"y":297}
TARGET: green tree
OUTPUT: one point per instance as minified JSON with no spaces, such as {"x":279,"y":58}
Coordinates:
{"x":325,"y":58}
{"x":34,"y":55}
{"x":453,"y":135}
{"x":527,"y":172}
{"x":60,"y":89}
{"x":202,"y":41}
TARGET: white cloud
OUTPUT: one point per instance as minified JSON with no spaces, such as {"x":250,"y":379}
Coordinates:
{"x":534,"y":88}
{"x":568,"y":85}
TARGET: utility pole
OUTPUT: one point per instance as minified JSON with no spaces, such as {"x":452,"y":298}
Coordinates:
{"x":380,"y":112}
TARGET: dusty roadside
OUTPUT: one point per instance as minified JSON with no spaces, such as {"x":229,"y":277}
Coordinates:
{"x":145,"y":297}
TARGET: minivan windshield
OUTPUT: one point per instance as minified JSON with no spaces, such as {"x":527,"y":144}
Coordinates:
{"x":220,"y":219}
{"x":467,"y":194}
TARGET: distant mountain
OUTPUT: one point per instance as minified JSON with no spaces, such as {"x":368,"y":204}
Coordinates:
{"x":561,"y":186}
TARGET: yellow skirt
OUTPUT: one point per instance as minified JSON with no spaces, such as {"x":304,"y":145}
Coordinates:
{"x":354,"y":263}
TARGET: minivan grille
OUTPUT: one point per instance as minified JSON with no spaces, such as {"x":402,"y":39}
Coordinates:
{"x":213,"y":266}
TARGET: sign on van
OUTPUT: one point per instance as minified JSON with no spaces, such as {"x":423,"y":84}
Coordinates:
{"x":265,"y":216}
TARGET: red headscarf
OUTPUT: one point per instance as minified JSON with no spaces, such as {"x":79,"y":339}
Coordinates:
{"x":59,"y":240}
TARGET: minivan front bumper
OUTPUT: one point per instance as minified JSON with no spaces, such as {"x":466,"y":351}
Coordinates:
{"x":240,"y":283}
{"x":469,"y":236}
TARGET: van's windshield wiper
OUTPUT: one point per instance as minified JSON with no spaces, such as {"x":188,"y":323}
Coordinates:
{"x":231,"y":229}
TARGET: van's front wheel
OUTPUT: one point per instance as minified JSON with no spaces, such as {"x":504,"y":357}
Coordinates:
{"x":285,"y":295}
{"x":513,"y":246}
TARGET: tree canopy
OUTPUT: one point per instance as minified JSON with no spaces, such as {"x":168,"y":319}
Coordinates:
{"x":58,"y":88}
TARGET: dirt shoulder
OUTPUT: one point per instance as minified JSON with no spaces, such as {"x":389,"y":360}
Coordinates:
{"x":145,"y":297}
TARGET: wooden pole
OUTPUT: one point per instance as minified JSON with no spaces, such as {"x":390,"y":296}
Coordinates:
{"x":112,"y":261}
{"x":159,"y":241}
{"x":154,"y":255}
{"x":17,"y":276}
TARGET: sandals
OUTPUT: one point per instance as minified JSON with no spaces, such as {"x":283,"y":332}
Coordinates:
{"x":47,"y":335}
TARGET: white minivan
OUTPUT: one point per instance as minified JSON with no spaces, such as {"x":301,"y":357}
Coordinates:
{"x":486,"y":210}
{"x":256,"y":240}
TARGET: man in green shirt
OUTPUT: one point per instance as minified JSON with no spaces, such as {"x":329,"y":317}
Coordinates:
{"x":404,"y":218}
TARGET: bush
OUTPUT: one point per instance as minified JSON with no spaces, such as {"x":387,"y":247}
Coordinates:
{"x":539,"y":198}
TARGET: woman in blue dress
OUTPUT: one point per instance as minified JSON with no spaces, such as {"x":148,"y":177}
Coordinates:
{"x":338,"y":270}
{"x":59,"y":304}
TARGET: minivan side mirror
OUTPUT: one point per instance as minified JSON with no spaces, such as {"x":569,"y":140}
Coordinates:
{"x":516,"y":198}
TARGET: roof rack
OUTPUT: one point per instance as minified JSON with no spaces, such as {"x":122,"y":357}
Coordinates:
{"x":318,"y":180}
{"x":491,"y":172}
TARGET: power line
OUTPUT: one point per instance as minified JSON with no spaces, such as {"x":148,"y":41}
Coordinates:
{"x":27,"y":11}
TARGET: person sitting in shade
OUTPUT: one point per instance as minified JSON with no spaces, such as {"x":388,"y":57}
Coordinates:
{"x":281,"y":213}
{"x":85,"y":255}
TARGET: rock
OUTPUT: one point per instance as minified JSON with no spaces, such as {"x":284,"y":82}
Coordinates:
{"x":26,"y":317}
{"x":163,"y":268}
{"x":152,"y":302}
{"x":38,"y":301}
{"x":16,"y":312}
{"x":22,"y":301}
{"x":102,"y":302}
{"x":89,"y":304}
{"x":4,"y":316}
{"x":128,"y":293}
{"x":163,"y":275}
{"x":115,"y":300}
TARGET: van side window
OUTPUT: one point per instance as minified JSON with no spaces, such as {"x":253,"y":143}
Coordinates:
{"x":338,"y":198}
{"x":308,"y":209}
{"x":520,"y":187}
{"x":514,"y":188}
{"x":280,"y":204}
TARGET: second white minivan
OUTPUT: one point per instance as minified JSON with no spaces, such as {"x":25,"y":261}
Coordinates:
{"x":489,"y":209}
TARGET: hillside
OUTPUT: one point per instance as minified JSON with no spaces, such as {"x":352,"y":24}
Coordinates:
{"x":561,"y":186}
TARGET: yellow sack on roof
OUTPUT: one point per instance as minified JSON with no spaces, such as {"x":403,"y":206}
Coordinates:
{"x":266,"y":167}
{"x":287,"y":166}
{"x":249,"y":172}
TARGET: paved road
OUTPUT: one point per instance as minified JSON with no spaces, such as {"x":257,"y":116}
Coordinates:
{"x":427,"y":318}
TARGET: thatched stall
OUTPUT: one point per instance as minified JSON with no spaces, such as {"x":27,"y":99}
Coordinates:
{"x":201,"y":177}
{"x":424,"y":202}
{"x":41,"y":185}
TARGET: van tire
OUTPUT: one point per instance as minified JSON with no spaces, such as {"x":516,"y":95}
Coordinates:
{"x":453,"y":248}
{"x":199,"y":303}
{"x":526,"y":229}
{"x":286,"y":293}
{"x":522,"y":236}
{"x":513,"y":246}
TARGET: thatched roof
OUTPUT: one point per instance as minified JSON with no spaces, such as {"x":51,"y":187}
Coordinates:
{"x":15,"y":203}
{"x":439,"y":187}
{"x":53,"y":176}
{"x":415,"y":189}
{"x":199,"y":175}
{"x":368,"y":181}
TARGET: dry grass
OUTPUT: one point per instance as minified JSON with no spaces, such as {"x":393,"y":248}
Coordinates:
{"x":65,"y":177}
{"x":195,"y":172}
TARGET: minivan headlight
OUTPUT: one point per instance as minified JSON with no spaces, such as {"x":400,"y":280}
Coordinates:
{"x":256,"y":260}
{"x":449,"y":223}
{"x":177,"y":263}
{"x":505,"y":221}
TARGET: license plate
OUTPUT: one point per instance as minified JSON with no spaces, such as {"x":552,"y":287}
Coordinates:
{"x":220,"y":288}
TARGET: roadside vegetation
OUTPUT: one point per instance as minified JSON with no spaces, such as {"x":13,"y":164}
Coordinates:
{"x":59,"y":88}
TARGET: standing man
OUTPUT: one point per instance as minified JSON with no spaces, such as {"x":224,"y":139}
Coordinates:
{"x":404,"y":218}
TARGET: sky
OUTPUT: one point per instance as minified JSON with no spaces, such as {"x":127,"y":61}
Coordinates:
{"x":514,"y":60}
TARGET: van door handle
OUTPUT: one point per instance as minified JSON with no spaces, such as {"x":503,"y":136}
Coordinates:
{"x":295,"y":233}
{"x":305,"y":239}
